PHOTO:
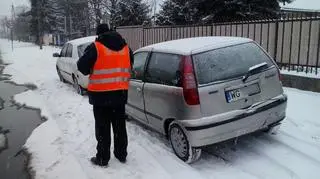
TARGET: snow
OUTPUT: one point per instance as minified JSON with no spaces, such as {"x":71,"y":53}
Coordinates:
{"x":62,"y":146}
{"x":302,"y":74}
{"x":31,"y":99}
{"x":188,"y":45}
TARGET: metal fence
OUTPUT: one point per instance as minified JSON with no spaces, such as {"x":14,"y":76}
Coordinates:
{"x":293,"y":42}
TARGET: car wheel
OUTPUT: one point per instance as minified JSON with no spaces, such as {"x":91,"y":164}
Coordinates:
{"x":60,"y":76}
{"x":77,"y":87}
{"x":181,"y":146}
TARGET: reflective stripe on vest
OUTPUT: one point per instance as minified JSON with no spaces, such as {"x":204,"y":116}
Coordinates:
{"x":109,"y":80}
{"x":111,"y":70}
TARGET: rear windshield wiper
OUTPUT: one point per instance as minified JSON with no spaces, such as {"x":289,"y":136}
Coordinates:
{"x":254,"y":70}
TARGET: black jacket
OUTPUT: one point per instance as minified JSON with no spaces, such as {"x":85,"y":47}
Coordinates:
{"x":115,"y":42}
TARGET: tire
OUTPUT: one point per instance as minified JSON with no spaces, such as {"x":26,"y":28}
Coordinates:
{"x":77,"y":87}
{"x":60,"y":76}
{"x":180,"y":145}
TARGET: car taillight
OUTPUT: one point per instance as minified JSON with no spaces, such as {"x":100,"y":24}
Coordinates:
{"x":189,"y":84}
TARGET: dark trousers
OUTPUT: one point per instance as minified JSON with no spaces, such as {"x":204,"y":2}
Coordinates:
{"x":104,"y":116}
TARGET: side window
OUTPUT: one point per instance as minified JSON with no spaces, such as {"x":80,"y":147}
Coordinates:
{"x":64,"y":50}
{"x":69,"y":51}
{"x":164,"y":69}
{"x":138,"y":65}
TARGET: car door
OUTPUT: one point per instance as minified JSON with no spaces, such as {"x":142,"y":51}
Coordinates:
{"x":135,"y":106}
{"x":61,"y":61}
{"x":68,"y":61}
{"x":162,"y":90}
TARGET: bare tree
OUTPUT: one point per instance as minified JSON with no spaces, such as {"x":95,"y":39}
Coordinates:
{"x":97,"y":9}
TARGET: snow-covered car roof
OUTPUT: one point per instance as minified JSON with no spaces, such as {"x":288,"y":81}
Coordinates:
{"x":83,"y":40}
{"x":194,"y":45}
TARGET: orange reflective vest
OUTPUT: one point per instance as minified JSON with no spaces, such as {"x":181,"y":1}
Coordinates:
{"x":111,"y":71}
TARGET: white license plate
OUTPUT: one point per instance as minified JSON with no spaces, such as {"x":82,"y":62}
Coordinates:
{"x":233,"y":95}
{"x":236,"y":94}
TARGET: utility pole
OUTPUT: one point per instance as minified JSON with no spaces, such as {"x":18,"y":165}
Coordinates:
{"x":70,"y":23}
{"x":39,"y":24}
{"x":65,"y":25}
{"x":154,"y":11}
{"x":12,"y":23}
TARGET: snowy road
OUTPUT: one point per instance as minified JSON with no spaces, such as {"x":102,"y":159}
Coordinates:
{"x":62,"y":146}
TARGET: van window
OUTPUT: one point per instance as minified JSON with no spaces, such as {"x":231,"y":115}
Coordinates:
{"x":229,"y":62}
{"x":138,"y":65}
{"x":64,"y":50}
{"x":163,"y":69}
{"x":82,"y":48}
{"x":69,"y":51}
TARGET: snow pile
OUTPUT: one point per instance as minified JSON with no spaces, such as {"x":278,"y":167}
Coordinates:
{"x":49,"y":157}
{"x":302,"y":74}
{"x":30,"y":99}
{"x":62,"y":146}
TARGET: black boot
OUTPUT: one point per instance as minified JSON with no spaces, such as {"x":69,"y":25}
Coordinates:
{"x":99,"y":162}
{"x":121,"y":159}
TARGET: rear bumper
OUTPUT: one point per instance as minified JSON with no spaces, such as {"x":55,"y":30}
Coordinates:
{"x":210,"y":130}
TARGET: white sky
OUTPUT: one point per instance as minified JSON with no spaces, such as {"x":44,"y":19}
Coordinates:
{"x":5,"y":5}
{"x":305,"y":4}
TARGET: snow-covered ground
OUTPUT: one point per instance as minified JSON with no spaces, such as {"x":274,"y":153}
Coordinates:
{"x":62,"y":146}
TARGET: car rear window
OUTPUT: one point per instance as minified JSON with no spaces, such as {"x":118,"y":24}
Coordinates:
{"x":82,"y":47}
{"x":229,"y":62}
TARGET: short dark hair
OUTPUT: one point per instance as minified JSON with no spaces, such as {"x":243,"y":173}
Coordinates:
{"x":102,"y":28}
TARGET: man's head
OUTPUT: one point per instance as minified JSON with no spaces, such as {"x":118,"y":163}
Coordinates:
{"x":102,"y":28}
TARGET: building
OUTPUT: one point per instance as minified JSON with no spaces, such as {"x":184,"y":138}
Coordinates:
{"x":298,"y":13}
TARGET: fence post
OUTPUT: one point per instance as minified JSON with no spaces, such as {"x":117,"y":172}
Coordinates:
{"x":318,"y":49}
{"x":282,"y":42}
{"x":309,"y":43}
{"x":261,"y":31}
{"x":300,"y":39}
{"x":276,"y":36}
{"x":291,"y":39}
{"x":268,"y":35}
{"x":143,"y":38}
{"x":212,"y":29}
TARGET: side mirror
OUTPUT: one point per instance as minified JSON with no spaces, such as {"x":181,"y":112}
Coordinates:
{"x":56,"y":55}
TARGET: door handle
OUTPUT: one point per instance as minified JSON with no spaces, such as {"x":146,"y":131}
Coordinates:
{"x":139,"y":90}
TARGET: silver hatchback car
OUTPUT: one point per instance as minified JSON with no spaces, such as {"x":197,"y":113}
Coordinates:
{"x":200,"y":91}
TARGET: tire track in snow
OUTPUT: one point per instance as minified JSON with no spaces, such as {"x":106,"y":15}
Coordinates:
{"x":303,"y":165}
{"x":244,"y":157}
{"x":213,"y":166}
{"x":297,"y":148}
{"x":308,"y":140}
{"x":251,"y":145}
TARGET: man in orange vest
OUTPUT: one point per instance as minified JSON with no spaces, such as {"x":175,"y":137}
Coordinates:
{"x":108,"y":62}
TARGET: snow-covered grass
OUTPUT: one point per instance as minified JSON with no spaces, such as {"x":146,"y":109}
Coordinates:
{"x":62,"y":146}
